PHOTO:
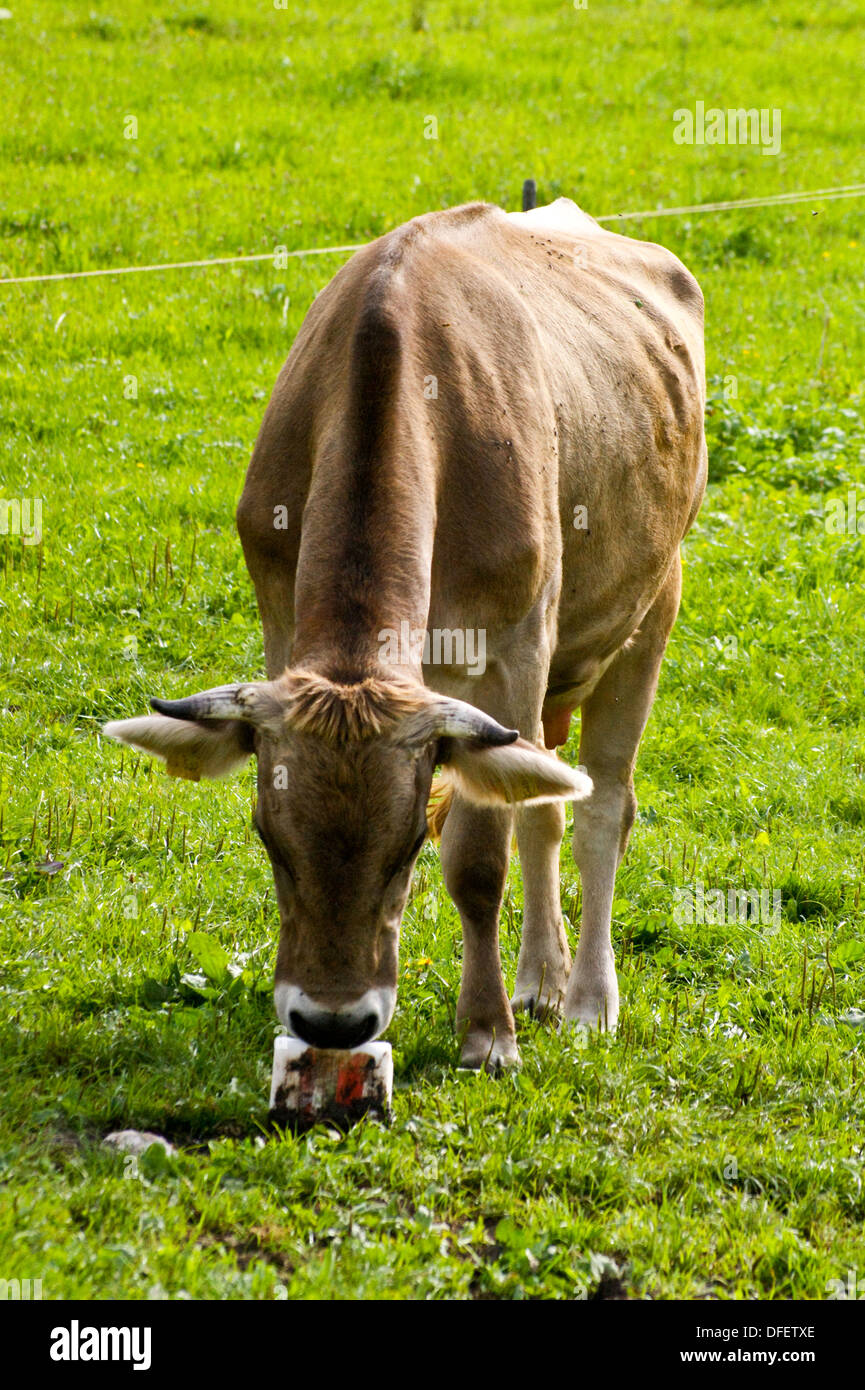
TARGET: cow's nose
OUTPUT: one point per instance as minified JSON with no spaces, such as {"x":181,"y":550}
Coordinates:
{"x":332,"y":1030}
{"x":348,"y":1027}
{"x":327,"y":1025}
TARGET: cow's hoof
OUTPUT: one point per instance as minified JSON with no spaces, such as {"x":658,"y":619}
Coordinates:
{"x":482,"y":1052}
{"x":549,"y":1006}
{"x":592,"y":996}
{"x":599,"y":1014}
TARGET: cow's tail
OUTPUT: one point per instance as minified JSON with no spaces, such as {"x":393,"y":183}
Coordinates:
{"x":440,"y":798}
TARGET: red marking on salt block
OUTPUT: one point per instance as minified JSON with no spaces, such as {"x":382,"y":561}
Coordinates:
{"x":350,"y":1081}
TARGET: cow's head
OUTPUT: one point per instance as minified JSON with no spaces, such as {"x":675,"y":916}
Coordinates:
{"x":344,"y":775}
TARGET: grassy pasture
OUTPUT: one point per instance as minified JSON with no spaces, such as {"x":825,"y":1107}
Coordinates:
{"x":713,"y":1148}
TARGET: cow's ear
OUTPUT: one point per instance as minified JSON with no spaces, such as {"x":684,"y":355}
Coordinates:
{"x":518,"y":771}
{"x":190,"y":748}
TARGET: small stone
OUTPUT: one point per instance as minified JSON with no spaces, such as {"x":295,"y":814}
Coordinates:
{"x":136,"y":1141}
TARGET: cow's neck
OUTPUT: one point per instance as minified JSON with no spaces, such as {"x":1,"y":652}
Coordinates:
{"x":363,"y":576}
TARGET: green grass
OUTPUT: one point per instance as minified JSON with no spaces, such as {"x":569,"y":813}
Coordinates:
{"x":713,"y":1147}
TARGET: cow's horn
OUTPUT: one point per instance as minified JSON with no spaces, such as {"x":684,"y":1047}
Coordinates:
{"x":460,"y":720}
{"x":222,"y":702}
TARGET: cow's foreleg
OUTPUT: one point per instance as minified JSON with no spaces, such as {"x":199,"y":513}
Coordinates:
{"x":545,"y":957}
{"x":475,"y":850}
{"x":613,"y":719}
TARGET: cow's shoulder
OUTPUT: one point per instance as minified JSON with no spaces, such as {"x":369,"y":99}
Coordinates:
{"x":396,"y":252}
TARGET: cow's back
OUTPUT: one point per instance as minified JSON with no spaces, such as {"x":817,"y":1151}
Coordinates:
{"x":570,"y":381}
{"x":544,"y":366}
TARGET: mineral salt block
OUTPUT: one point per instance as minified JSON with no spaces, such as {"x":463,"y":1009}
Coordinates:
{"x":314,"y":1084}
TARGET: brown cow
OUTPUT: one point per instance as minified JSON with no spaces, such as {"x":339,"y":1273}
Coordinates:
{"x":488,"y":424}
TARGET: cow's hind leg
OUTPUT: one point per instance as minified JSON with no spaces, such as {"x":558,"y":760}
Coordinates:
{"x":545,"y":957}
{"x":613,"y":719}
{"x":475,"y":850}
